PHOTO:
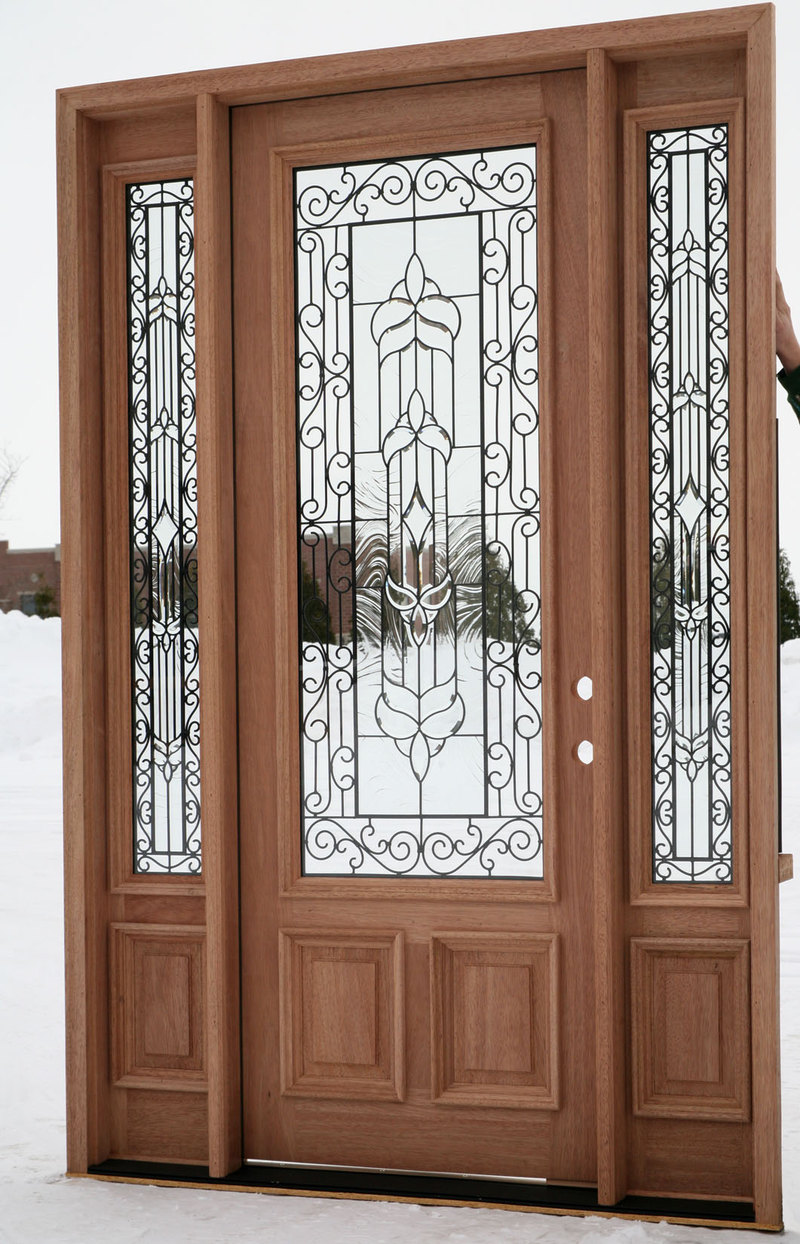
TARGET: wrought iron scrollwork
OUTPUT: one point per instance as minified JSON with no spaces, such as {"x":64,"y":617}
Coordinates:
{"x":417,"y":399}
{"x":689,"y":503}
{"x":163,"y":510}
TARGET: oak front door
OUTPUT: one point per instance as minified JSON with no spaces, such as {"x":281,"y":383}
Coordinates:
{"x":410,"y":294}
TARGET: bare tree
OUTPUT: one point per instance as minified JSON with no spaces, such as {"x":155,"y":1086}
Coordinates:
{"x":9,"y":470}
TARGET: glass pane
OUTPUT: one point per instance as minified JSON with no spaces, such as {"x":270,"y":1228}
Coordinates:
{"x":163,"y":483}
{"x":689,"y":504}
{"x":418,"y":456}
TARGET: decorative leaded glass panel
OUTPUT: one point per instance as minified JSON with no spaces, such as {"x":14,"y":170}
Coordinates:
{"x":163,"y":482}
{"x":418,"y":461}
{"x":689,"y":503}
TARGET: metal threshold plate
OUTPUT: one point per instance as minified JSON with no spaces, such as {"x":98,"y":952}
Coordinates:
{"x":394,"y":1170}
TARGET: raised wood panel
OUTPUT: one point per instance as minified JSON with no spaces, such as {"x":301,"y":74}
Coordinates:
{"x":157,"y":983}
{"x":498,"y":1021}
{"x":342,"y":1017}
{"x":494,"y":1020}
{"x":691,"y":1048}
{"x":692,"y":1018}
{"x":165,"y":1031}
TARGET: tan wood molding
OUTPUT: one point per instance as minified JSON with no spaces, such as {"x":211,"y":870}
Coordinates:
{"x":565,"y":47}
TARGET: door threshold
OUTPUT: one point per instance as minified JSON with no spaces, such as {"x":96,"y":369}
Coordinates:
{"x":396,"y":1170}
{"x":420,"y":1189}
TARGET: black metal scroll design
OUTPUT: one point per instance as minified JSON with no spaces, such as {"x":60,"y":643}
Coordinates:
{"x":510,"y":352}
{"x":420,"y":613}
{"x":434,"y":185}
{"x":163,"y":516}
{"x":420,"y":713}
{"x":689,"y":504}
{"x":460,"y":846}
{"x":325,"y":464}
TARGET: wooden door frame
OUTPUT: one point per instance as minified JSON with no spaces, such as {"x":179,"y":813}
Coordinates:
{"x":128,"y":130}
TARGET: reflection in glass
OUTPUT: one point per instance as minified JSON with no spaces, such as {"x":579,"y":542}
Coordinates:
{"x":420,"y":625}
{"x":163,"y":482}
{"x":689,"y":504}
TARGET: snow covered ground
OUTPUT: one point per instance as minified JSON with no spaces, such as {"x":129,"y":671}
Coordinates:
{"x":38,"y":1204}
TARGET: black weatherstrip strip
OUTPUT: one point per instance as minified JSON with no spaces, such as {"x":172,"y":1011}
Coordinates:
{"x":430,"y":1187}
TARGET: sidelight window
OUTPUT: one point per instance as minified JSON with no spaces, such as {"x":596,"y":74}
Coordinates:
{"x":689,"y":503}
{"x":163,"y":530}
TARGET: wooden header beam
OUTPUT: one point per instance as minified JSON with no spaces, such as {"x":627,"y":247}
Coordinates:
{"x":453,"y":60}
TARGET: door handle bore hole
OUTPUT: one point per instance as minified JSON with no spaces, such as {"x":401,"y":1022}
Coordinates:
{"x":583,"y":688}
{"x":585,"y":752}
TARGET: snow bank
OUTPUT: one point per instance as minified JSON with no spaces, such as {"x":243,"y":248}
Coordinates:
{"x":38,"y":1204}
{"x":30,"y":686}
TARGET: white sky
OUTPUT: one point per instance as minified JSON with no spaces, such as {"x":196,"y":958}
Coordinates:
{"x":45,"y":44}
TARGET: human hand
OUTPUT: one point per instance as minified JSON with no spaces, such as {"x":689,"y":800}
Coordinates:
{"x":787,"y":347}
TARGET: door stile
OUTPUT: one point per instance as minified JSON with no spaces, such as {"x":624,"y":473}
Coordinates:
{"x":84,"y":639}
{"x":259,"y":608}
{"x":606,"y":596}
{"x":217,"y":623}
{"x":762,"y":637}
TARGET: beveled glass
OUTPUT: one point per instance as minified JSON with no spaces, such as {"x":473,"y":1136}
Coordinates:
{"x":418,"y":516}
{"x":687,"y":172}
{"x":163,"y":533}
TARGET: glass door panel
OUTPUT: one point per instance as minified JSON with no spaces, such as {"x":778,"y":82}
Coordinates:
{"x":417,"y":434}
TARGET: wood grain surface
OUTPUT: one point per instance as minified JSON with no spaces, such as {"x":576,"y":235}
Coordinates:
{"x":601,"y":1125}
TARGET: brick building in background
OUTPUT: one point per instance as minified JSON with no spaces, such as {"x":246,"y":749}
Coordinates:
{"x":26,"y":572}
